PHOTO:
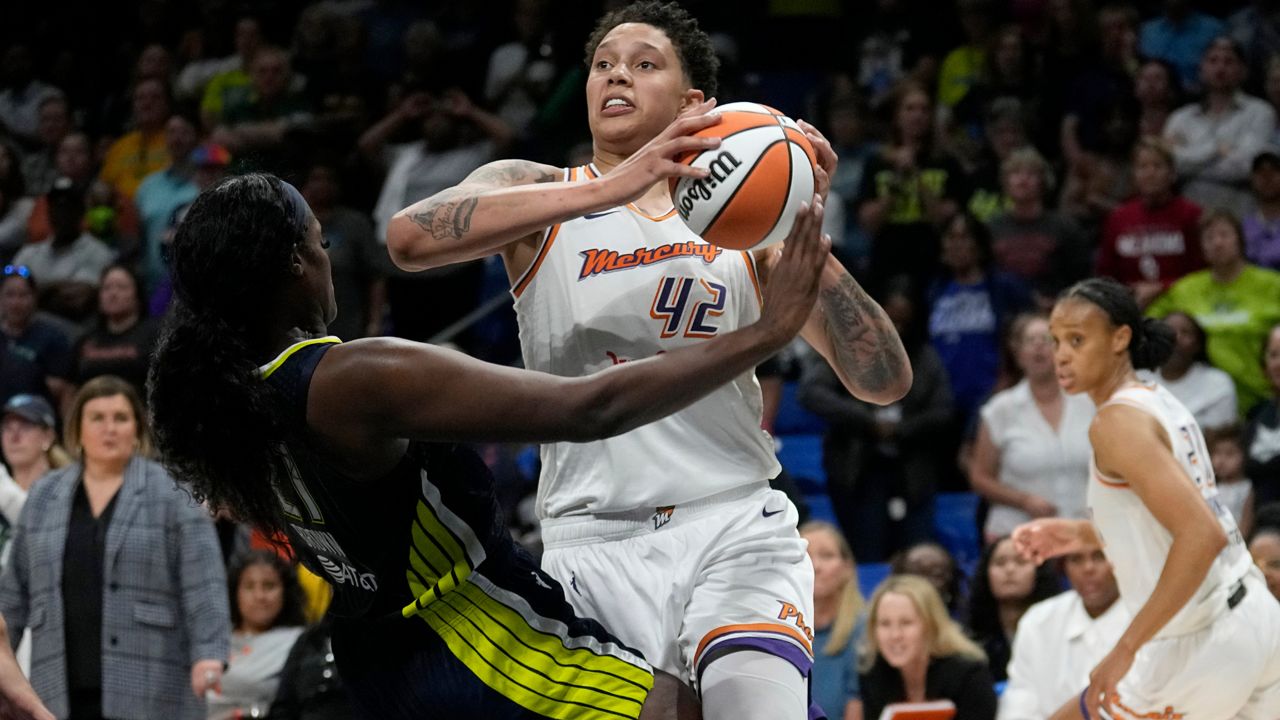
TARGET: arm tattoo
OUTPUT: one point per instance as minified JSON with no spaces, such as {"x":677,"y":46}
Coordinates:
{"x":867,"y":348}
{"x":449,"y":213}
{"x":447,"y":217}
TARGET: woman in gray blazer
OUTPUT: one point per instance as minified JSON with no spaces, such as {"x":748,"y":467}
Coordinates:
{"x":118,"y":574}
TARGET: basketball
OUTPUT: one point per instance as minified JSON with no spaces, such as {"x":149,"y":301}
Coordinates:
{"x":760,"y":174}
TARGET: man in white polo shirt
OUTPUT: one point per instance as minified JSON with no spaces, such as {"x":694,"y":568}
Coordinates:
{"x":1060,"y":640}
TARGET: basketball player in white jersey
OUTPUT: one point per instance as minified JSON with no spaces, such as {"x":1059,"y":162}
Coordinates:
{"x":669,"y":535}
{"x":1204,"y":642}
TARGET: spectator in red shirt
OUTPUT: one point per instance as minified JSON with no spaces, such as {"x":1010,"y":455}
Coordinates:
{"x":1154,"y":239}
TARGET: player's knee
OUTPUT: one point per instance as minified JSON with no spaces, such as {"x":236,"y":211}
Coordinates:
{"x":751,"y":685}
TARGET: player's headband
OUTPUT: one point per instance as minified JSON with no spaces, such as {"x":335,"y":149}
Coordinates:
{"x":297,"y":207}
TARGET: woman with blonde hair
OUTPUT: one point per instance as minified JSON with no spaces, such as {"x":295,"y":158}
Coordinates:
{"x":915,"y":652}
{"x":839,"y":621}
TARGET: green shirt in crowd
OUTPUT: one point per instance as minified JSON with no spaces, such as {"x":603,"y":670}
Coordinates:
{"x":1236,"y":317}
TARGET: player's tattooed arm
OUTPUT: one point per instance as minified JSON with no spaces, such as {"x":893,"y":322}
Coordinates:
{"x":447,"y":214}
{"x":863,"y":346}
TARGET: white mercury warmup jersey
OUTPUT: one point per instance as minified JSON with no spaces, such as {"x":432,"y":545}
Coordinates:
{"x":619,"y":285}
{"x":1137,"y":544}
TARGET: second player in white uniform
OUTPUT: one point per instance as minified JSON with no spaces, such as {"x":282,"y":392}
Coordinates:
{"x":1205,"y":640}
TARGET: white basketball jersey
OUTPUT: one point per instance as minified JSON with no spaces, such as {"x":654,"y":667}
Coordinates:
{"x":1137,"y":544}
{"x":618,"y":285}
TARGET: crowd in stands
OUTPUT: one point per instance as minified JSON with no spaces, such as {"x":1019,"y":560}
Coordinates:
{"x":992,"y":153}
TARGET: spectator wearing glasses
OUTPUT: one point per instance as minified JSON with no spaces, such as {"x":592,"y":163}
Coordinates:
{"x":37,"y":354}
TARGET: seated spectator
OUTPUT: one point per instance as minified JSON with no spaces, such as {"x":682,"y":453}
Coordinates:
{"x":1154,"y":239}
{"x":1004,"y":585}
{"x":1264,"y":545}
{"x":932,"y":562}
{"x":1179,"y":36}
{"x":257,"y":117}
{"x":1235,"y":491}
{"x":141,"y":151}
{"x":1158,"y":91}
{"x":39,"y":167}
{"x":15,"y":207}
{"x":310,"y":686}
{"x":1060,"y":640}
{"x":266,"y":619}
{"x":1216,"y":139}
{"x":1262,"y":434}
{"x":1262,"y":222}
{"x":1206,"y":391}
{"x":1233,"y":300}
{"x":838,"y":621}
{"x":915,"y":652}
{"x":883,"y":463}
{"x":121,"y":341}
{"x":164,"y":191}
{"x":75,"y":160}
{"x":359,"y":262}
{"x":158,"y":592}
{"x":1031,"y":456}
{"x":194,"y":81}
{"x":42,"y":347}
{"x":847,"y":130}
{"x":972,"y":305}
{"x":1100,"y":178}
{"x":70,"y":263}
{"x":22,"y":93}
{"x":1040,"y":246}
{"x":29,"y":448}
{"x":907,"y":190}
{"x":1004,"y":127}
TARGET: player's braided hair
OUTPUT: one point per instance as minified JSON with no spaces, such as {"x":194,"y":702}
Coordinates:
{"x":1152,"y":341}
{"x":693,"y":46}
{"x":215,"y":418}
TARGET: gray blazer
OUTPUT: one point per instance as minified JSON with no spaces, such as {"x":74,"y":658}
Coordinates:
{"x":165,"y":594}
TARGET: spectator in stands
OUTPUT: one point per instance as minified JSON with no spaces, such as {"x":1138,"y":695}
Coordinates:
{"x":1206,"y":391}
{"x":1235,"y":491}
{"x":1154,"y":239}
{"x":883,"y":463}
{"x":1180,"y":36}
{"x":1004,"y":585}
{"x":847,"y":130}
{"x":1031,"y":456}
{"x":934,"y":563}
{"x":456,"y":137}
{"x":141,"y":151}
{"x":908,"y":190}
{"x":258,"y":116}
{"x":839,"y":623}
{"x":266,"y":620}
{"x":36,"y":340}
{"x":972,"y":305}
{"x":196,"y":78}
{"x":963,"y":67}
{"x":121,"y":341}
{"x":29,"y":448}
{"x":21,"y":94}
{"x":1040,"y":246}
{"x":1262,"y":222}
{"x":39,"y":167}
{"x":74,"y":160}
{"x":1099,"y":179}
{"x":1264,"y":545}
{"x":1060,"y":640}
{"x":1262,"y":435}
{"x":111,"y":570}
{"x":915,"y":652}
{"x":1158,"y":92}
{"x":1005,"y":130}
{"x":522,"y":72}
{"x":1256,"y":27}
{"x":1214,"y":140}
{"x":359,"y":262}
{"x":70,"y":263}
{"x":164,"y":191}
{"x":15,"y":206}
{"x":1233,"y":300}
{"x":310,"y":686}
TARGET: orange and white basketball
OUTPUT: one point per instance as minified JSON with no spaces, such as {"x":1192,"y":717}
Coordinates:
{"x":760,"y":174}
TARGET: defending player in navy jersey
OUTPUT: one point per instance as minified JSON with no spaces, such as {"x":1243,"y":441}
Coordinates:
{"x":669,"y":534}
{"x":349,"y":449}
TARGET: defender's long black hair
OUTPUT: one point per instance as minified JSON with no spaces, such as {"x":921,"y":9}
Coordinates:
{"x":214,"y":417}
{"x":1152,"y":341}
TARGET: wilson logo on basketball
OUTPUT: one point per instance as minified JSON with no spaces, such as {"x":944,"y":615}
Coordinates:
{"x":596,"y":261}
{"x":700,"y":190}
